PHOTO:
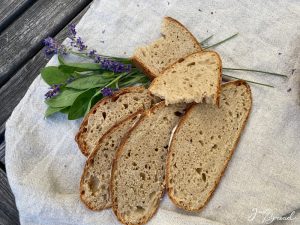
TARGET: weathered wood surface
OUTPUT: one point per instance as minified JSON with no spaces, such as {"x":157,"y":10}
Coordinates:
{"x":8,"y":211}
{"x":22,"y":39}
{"x":26,"y":70}
{"x":14,"y":90}
{"x":11,"y":9}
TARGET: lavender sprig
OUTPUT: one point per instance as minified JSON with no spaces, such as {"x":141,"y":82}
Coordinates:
{"x":54,"y":90}
{"x":53,"y":47}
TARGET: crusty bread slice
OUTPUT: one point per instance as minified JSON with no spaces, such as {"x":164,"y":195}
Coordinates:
{"x":176,"y":43}
{"x":195,"y":78}
{"x":202,"y":145}
{"x":95,"y":180}
{"x":138,"y":174}
{"x":110,"y":111}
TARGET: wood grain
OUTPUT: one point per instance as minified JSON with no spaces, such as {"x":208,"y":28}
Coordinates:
{"x":11,"y":9}
{"x":8,"y":212}
{"x":14,"y":90}
{"x":2,"y":152}
{"x":23,"y":39}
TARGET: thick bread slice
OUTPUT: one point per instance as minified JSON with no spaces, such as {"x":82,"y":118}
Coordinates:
{"x":138,"y":174}
{"x":195,"y":78}
{"x":110,"y":111}
{"x":203,"y":144}
{"x":95,"y":180}
{"x":176,"y":43}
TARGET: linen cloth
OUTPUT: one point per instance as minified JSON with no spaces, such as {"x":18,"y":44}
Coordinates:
{"x":44,"y":164}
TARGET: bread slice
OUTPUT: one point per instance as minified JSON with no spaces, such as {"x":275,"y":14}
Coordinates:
{"x":176,"y":43}
{"x":195,"y":78}
{"x":138,"y":174}
{"x":110,"y":111}
{"x":202,"y":145}
{"x":95,"y":180}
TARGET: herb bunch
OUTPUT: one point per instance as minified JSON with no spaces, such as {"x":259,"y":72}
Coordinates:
{"x":76,"y":87}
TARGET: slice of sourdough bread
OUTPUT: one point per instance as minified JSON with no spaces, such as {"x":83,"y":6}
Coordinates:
{"x":195,"y":78}
{"x":95,"y":180}
{"x":110,"y":111}
{"x":202,"y":145}
{"x":176,"y":43}
{"x":138,"y":174}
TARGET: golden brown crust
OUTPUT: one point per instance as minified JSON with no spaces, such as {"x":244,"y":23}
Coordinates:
{"x":115,"y":163}
{"x":79,"y":137}
{"x":140,"y":65}
{"x":95,"y":151}
{"x":181,"y":122}
{"x":164,"y":72}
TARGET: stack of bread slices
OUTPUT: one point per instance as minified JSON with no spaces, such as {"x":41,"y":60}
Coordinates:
{"x":179,"y":133}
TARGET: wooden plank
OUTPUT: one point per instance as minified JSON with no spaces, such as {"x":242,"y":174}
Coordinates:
{"x":8,"y":212}
{"x":2,"y":152}
{"x":14,"y":90}
{"x":23,"y":39}
{"x":11,"y":9}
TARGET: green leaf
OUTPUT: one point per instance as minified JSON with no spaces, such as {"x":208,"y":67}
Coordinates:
{"x":65,"y":110}
{"x":51,"y":110}
{"x":52,"y":75}
{"x":88,"y":82}
{"x":64,"y":99}
{"x":79,"y":67}
{"x":96,"y":97}
{"x":61,"y":60}
{"x":81,"y":104}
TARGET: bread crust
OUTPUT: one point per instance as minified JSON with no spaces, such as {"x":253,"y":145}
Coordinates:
{"x":78,"y":137}
{"x":217,"y":97}
{"x":181,"y":122}
{"x":115,"y":163}
{"x":140,"y":65}
{"x":95,"y":151}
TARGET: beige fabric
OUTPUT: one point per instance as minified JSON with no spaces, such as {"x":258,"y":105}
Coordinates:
{"x":44,"y":164}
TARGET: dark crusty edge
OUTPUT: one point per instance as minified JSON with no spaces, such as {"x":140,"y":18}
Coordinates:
{"x":115,"y":163}
{"x":181,"y":122}
{"x":95,"y":151}
{"x":217,"y":97}
{"x":139,"y":64}
{"x":103,"y":101}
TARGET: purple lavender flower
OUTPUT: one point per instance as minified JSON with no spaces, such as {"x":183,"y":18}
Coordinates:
{"x":52,"y":47}
{"x":54,"y":90}
{"x":114,"y":66}
{"x":107,"y":91}
{"x":92,"y":54}
{"x":72,"y":30}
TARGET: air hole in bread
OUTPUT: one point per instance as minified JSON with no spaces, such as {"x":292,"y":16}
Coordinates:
{"x":191,"y":140}
{"x":181,"y":60}
{"x":94,"y":111}
{"x":175,"y":165}
{"x":214,"y":146}
{"x":104,"y":115}
{"x":230,"y":113}
{"x":94,"y":184}
{"x":84,"y":130}
{"x":166,"y":146}
{"x":204,"y":177}
{"x":201,"y":142}
{"x":191,"y":64}
{"x":156,"y":149}
{"x":82,"y":192}
{"x":139,"y":210}
{"x":199,"y":170}
{"x":143,"y":176}
{"x":134,"y":164}
{"x":125,"y":106}
{"x":177,"y":113}
{"x":174,"y":71}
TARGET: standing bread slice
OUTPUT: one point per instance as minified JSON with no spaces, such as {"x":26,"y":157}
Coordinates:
{"x":138,"y":174}
{"x":203,"y":144}
{"x":196,"y":78}
{"x":176,"y":43}
{"x":110,"y":111}
{"x":95,"y":180}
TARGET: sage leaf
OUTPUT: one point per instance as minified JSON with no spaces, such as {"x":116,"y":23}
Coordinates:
{"x":60,"y":59}
{"x":80,"y":105}
{"x":95,"y":98}
{"x":51,"y":110}
{"x":64,"y":99}
{"x":88,"y":82}
{"x":52,"y":75}
{"x":79,"y":67}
